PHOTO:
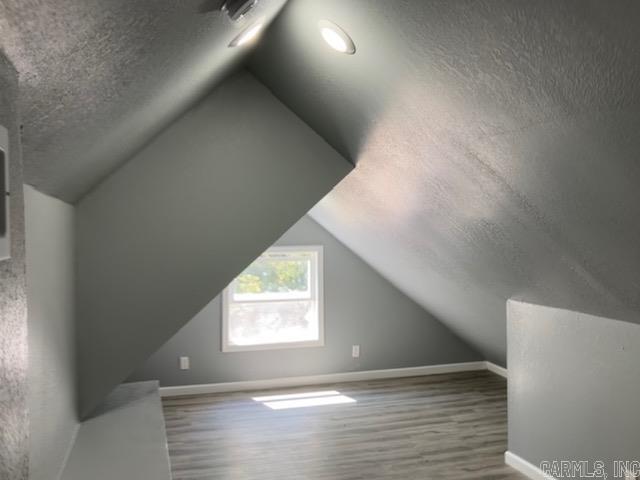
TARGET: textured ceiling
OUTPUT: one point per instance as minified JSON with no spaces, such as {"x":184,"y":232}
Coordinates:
{"x":496,"y":144}
{"x":100,"y":78}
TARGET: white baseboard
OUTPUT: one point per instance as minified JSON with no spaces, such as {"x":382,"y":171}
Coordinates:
{"x":321,"y":379}
{"x":527,"y":469}
{"x":497,"y":369}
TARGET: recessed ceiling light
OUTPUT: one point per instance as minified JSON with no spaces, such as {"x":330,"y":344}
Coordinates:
{"x":248,"y":35}
{"x":336,"y":37}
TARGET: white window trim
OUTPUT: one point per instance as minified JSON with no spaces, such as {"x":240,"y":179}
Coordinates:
{"x":226,"y":348}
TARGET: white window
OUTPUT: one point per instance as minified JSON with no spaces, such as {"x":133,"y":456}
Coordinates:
{"x":277,"y":302}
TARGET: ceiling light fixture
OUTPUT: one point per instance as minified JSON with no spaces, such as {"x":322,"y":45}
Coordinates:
{"x":336,"y":37}
{"x":236,"y":9}
{"x":248,"y":35}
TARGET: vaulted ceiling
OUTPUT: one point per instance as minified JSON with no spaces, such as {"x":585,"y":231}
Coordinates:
{"x":496,"y":147}
{"x":495,"y":140}
{"x":100,"y":78}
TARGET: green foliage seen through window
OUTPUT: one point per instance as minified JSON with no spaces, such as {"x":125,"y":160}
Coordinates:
{"x":265,"y":275}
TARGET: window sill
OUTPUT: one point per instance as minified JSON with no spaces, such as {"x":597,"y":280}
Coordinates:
{"x":271,"y":346}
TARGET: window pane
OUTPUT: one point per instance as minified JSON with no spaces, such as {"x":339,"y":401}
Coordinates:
{"x":260,"y":323}
{"x":275,"y":301}
{"x":270,"y":278}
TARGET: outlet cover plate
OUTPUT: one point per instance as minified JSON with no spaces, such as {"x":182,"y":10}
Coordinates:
{"x":185,"y":364}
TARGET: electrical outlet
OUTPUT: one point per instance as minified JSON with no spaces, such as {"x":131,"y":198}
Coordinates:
{"x":355,"y":351}
{"x":184,"y":363}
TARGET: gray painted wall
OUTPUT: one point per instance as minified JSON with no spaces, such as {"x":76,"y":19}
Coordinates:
{"x":496,"y":148}
{"x":361,"y":307}
{"x":14,"y":426}
{"x":165,"y":233}
{"x":573,"y":385}
{"x":50,"y":299}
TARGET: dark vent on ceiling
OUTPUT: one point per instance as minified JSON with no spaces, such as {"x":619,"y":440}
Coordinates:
{"x":236,"y":9}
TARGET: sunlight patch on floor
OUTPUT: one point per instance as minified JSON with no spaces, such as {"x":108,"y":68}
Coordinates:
{"x":300,"y":400}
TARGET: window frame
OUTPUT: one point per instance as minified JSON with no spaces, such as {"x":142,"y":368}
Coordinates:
{"x":319,"y":251}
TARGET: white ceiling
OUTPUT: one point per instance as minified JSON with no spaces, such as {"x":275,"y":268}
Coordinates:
{"x":100,"y":78}
{"x":496,"y":148}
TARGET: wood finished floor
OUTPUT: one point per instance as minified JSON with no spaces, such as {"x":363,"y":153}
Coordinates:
{"x":433,"y":427}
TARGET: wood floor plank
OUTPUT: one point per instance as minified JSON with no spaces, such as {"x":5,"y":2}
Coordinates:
{"x":450,"y":427}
